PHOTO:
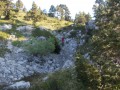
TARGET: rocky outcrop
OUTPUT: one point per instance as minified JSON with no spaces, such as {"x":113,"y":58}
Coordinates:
{"x":18,"y":64}
{"x":5,"y":27}
{"x":25,"y":28}
{"x":42,"y":28}
{"x":18,"y":85}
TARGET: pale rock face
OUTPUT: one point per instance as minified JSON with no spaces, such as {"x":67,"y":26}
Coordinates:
{"x":12,"y":37}
{"x":5,"y":27}
{"x":87,"y":56}
{"x":1,"y":59}
{"x":68,"y":64}
{"x":25,"y":28}
{"x":42,"y":28}
{"x":19,"y":64}
{"x":9,"y":45}
{"x":18,"y":85}
{"x":41,"y":38}
{"x":18,"y":50}
{"x":45,"y":78}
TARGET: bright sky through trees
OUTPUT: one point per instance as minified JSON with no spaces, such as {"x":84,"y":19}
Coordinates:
{"x":74,"y":5}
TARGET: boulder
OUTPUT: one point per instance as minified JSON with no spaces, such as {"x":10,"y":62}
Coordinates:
{"x":5,"y":26}
{"x":68,"y":64}
{"x":41,"y":38}
{"x":9,"y":45}
{"x":25,"y":28}
{"x":42,"y":28}
{"x":18,"y":85}
{"x":12,"y":37}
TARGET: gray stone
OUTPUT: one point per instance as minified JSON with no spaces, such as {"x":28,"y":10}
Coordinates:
{"x":68,"y":64}
{"x":18,"y":85}
{"x":16,"y":65}
{"x":42,"y":28}
{"x":5,"y":26}
{"x":41,"y":38}
{"x":25,"y":28}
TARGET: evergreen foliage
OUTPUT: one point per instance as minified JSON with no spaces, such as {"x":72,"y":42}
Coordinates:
{"x":47,"y":34}
{"x":40,"y":47}
{"x":52,"y":11}
{"x":6,"y":7}
{"x":19,"y":4}
{"x":59,"y":80}
{"x":102,"y":47}
{"x":82,"y":18}
{"x":63,"y":12}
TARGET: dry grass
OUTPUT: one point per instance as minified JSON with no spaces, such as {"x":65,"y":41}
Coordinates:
{"x":49,"y":22}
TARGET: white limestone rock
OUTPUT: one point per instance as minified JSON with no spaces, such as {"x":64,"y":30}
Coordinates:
{"x":5,"y":26}
{"x":18,"y":85}
{"x":42,"y":28}
{"x":68,"y":64}
{"x":25,"y":28}
{"x":41,"y":38}
{"x":12,"y":37}
{"x":9,"y":45}
{"x":45,"y":78}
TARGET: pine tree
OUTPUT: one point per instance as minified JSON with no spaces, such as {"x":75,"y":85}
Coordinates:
{"x":63,"y":12}
{"x":88,"y":17}
{"x":52,"y":11}
{"x":39,"y":11}
{"x":24,"y":9}
{"x":82,"y":18}
{"x":19,"y":5}
{"x":8,"y":7}
{"x":103,"y":47}
{"x":34,"y":10}
{"x":2,"y":7}
{"x":60,"y":12}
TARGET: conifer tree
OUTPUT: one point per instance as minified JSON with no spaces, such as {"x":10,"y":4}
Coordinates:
{"x":52,"y":11}
{"x":24,"y":9}
{"x":19,"y":5}
{"x":8,"y":7}
{"x":103,"y":45}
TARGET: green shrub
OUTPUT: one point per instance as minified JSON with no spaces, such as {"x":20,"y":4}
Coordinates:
{"x":37,"y":33}
{"x":1,"y":38}
{"x":4,"y":35}
{"x":3,"y":50}
{"x":87,"y":73}
{"x":67,"y":24}
{"x":73,"y":34}
{"x":43,"y":47}
{"x":60,"y":80}
{"x":17,"y":43}
{"x":80,"y":27}
{"x":15,"y":32}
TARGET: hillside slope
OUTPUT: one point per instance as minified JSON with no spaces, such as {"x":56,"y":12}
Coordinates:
{"x":47,"y":22}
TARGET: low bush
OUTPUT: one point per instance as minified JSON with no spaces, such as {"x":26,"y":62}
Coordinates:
{"x":37,"y":33}
{"x":40,"y":47}
{"x":60,"y":80}
{"x":3,"y":50}
{"x":4,"y":35}
{"x":79,"y":27}
{"x":73,"y":34}
{"x":17,"y":43}
{"x":87,"y":73}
